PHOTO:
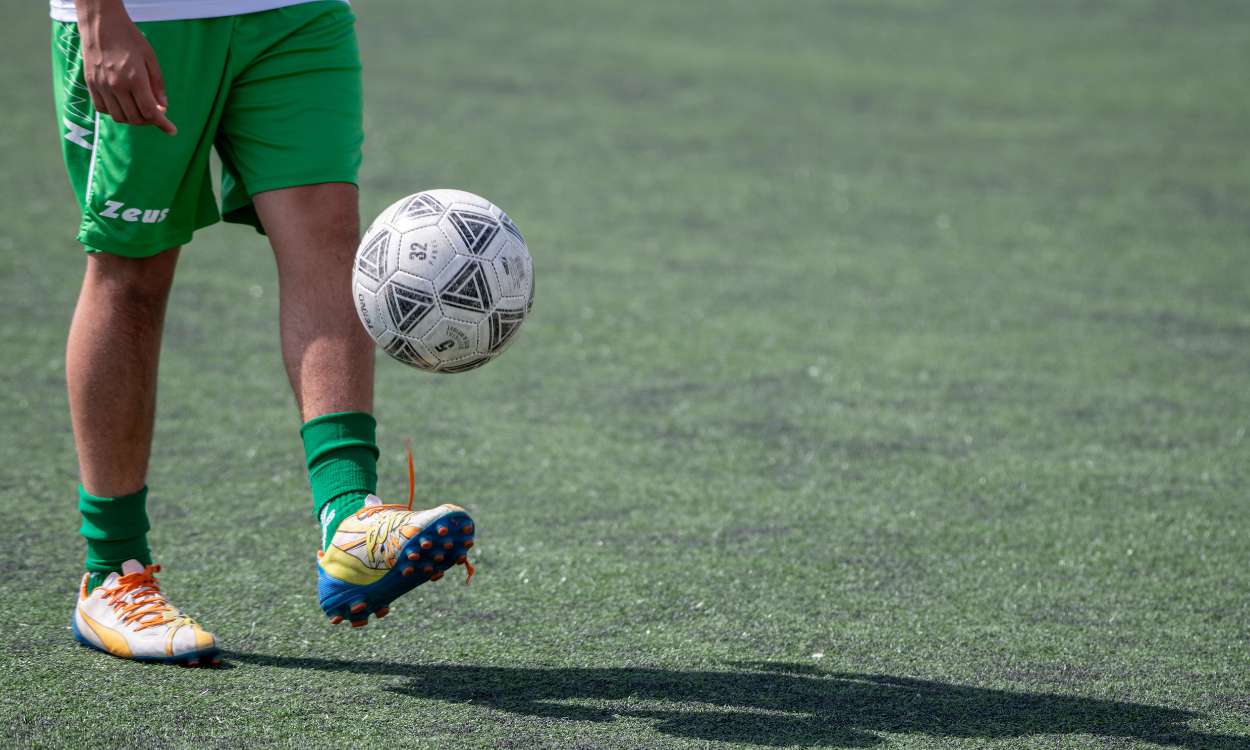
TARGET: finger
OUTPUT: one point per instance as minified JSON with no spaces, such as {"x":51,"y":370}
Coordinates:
{"x":97,"y":100}
{"x":152,"y":112}
{"x":112,"y":106}
{"x":119,"y":104}
{"x":164,"y":123}
{"x":157,"y":81}
{"x":126,"y":101}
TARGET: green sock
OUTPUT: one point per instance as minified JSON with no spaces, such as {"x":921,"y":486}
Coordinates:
{"x":95,"y":579}
{"x":342,"y":454}
{"x":116,"y":530}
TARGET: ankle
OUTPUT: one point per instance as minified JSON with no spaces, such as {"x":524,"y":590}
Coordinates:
{"x":336,"y":511}
{"x":95,"y":578}
{"x":115,"y":530}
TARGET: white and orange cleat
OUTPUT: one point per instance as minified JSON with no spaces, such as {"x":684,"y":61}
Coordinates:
{"x":128,"y":616}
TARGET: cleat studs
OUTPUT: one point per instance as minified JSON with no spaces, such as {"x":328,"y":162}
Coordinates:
{"x":192,"y":663}
{"x":460,"y":560}
{"x":442,"y":531}
{"x":358,"y":607}
{"x":468,"y":543}
{"x":436,"y":576}
{"x":468,"y":528}
{"x":414,"y":556}
{"x":428,"y":569}
{"x":359,"y":623}
{"x":448,"y":545}
{"x":438,"y":557}
{"x":382,"y":612}
{"x":408,"y":570}
{"x":426,"y":544}
{"x":336,"y":619}
{"x":216,"y":662}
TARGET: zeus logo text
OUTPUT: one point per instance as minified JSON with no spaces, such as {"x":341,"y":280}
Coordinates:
{"x":118,"y":210}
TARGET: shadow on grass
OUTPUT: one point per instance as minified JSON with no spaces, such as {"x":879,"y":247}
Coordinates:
{"x":770,"y":703}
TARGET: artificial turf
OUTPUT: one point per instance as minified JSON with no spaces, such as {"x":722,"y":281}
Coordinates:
{"x":888,"y":386}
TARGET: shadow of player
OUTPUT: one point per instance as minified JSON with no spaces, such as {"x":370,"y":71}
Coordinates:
{"x":772,"y":703}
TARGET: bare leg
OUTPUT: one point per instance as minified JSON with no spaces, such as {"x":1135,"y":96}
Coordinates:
{"x":110,"y":367}
{"x":328,"y":355}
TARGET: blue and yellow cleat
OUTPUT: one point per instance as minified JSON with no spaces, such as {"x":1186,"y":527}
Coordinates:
{"x":382,"y":552}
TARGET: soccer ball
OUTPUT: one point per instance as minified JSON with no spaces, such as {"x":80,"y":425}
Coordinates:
{"x":443,"y":280}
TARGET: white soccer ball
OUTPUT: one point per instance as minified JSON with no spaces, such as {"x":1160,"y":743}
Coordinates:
{"x":443,"y":280}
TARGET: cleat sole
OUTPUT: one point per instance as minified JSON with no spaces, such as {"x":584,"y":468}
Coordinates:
{"x":345,"y":601}
{"x":211,"y":653}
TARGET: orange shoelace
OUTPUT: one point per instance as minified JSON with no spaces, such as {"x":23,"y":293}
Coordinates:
{"x":412,"y":489}
{"x":147,"y":606}
{"x":384,"y":533}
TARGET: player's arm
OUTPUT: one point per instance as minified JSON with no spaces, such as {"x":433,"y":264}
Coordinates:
{"x":119,"y":66}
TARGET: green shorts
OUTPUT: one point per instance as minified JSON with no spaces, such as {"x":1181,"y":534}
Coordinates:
{"x":277,"y":93}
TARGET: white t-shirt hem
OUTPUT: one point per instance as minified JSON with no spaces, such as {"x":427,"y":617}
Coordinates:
{"x":179,"y":10}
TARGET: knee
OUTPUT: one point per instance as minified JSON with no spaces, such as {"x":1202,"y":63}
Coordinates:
{"x":139,"y":284}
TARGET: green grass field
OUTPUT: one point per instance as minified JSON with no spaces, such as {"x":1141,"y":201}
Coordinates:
{"x":888,"y":386}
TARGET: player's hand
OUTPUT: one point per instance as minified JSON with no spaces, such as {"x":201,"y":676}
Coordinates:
{"x":119,"y":66}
